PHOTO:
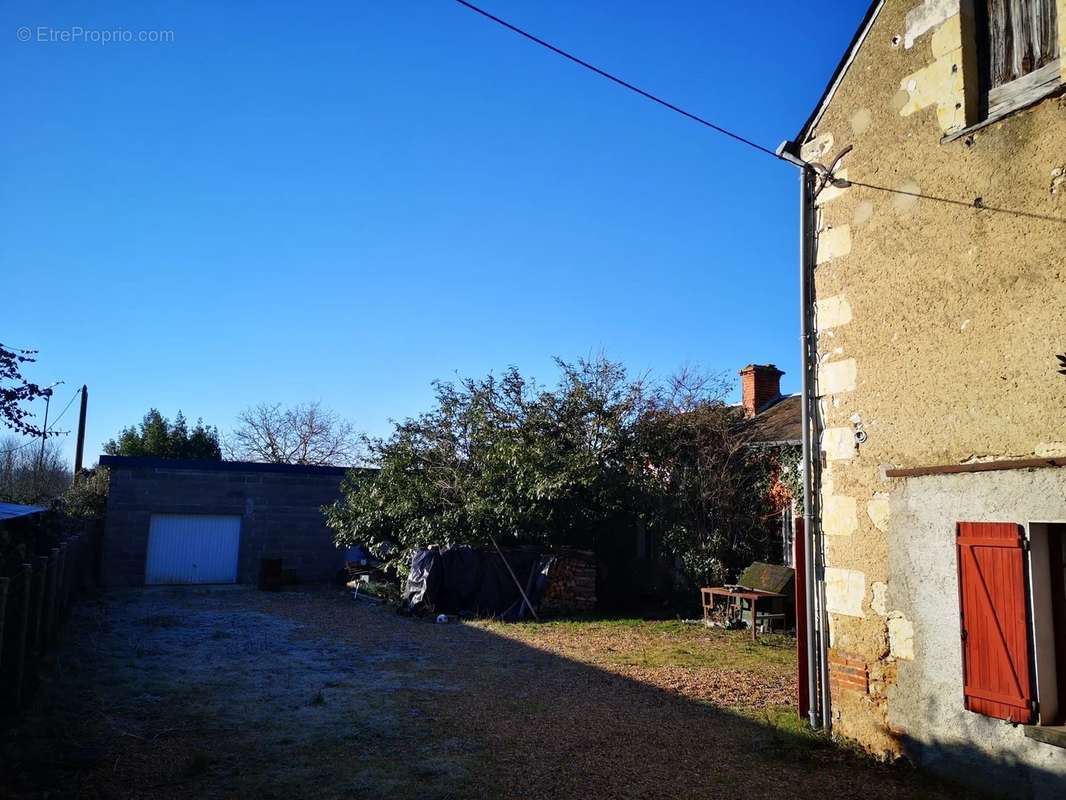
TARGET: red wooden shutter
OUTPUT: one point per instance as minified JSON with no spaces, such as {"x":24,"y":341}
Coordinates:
{"x":995,"y":620}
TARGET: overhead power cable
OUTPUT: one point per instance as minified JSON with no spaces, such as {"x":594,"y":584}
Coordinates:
{"x":16,"y":449}
{"x":977,"y":203}
{"x":974,"y":205}
{"x":619,"y":81}
{"x":65,"y":408}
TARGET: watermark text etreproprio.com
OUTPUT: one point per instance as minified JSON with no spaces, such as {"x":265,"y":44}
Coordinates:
{"x":76,"y":34}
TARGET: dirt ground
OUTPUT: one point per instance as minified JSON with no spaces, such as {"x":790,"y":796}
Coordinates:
{"x":235,"y":693}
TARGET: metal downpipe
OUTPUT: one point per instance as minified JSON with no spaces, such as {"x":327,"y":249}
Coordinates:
{"x":806,"y":188}
{"x":817,"y":618}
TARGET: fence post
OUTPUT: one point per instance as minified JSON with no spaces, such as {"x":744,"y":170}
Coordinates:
{"x":42,"y":587}
{"x":52,"y":580}
{"x":23,"y":632}
{"x":4,"y":582}
{"x":82,"y":581}
{"x":61,"y":584}
{"x":72,"y":573}
{"x":75,"y":573}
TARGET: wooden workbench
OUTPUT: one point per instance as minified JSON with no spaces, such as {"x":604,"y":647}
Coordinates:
{"x":710,"y":594}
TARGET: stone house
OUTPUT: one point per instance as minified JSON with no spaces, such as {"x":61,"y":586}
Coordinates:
{"x":935,"y":298}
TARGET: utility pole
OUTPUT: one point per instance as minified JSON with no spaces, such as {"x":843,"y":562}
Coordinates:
{"x":44,"y":431}
{"x":80,"y":451}
{"x":47,"y":394}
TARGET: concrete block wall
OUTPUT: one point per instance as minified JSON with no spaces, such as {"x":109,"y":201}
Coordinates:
{"x":280,"y":509}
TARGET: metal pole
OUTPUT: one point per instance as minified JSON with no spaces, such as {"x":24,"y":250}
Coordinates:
{"x":79,"y":453}
{"x":44,"y":431}
{"x":522,"y":591}
{"x":823,"y":637}
{"x":806,"y":214}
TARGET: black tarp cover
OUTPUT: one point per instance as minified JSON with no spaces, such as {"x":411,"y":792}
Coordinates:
{"x":471,"y":582}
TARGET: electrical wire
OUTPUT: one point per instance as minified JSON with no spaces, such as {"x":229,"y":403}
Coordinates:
{"x":64,"y":411}
{"x":46,"y":432}
{"x":16,"y":449}
{"x":24,"y":351}
{"x":620,"y":82}
{"x":976,"y":205}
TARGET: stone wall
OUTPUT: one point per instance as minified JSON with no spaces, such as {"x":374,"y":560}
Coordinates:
{"x":937,"y":325}
{"x":280,"y":510}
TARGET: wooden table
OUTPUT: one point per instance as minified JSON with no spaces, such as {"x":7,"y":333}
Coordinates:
{"x":710,"y":594}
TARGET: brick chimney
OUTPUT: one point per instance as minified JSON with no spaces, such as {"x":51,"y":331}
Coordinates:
{"x":759,"y":385}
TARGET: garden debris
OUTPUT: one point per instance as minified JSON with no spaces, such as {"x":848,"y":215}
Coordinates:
{"x":468,"y":581}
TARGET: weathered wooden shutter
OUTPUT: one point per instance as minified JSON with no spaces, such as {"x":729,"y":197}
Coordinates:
{"x":1023,"y":36}
{"x":995,"y":620}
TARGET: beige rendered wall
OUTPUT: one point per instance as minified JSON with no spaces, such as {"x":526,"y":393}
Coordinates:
{"x":938,"y":324}
{"x":925,"y":707}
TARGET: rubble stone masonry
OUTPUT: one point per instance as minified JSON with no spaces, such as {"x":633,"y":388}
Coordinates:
{"x":938,"y":324}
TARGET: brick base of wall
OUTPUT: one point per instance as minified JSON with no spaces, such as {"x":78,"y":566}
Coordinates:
{"x":848,"y":672}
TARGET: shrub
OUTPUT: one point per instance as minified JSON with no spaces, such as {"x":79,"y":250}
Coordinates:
{"x":87,"y":496}
{"x":592,"y":463}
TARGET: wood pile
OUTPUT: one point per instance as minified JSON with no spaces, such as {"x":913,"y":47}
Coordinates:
{"x":571,"y":583}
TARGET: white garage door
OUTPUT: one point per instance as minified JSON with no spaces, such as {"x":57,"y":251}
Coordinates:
{"x":192,"y":548}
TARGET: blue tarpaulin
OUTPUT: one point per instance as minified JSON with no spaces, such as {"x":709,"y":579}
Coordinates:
{"x":13,"y":510}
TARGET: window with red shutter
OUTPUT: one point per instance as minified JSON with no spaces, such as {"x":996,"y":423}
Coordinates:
{"x":995,"y":620}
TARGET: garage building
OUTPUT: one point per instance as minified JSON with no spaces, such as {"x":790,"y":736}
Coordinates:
{"x":173,"y":521}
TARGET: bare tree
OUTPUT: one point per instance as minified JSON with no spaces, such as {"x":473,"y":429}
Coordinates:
{"x":303,"y":434}
{"x":27,"y":478}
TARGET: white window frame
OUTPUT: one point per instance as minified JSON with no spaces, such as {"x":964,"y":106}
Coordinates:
{"x":1042,"y":621}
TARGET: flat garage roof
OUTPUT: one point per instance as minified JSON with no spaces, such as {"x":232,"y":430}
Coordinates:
{"x":218,"y":466}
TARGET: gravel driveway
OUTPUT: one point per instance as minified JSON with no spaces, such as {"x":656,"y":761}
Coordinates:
{"x":236,"y":693}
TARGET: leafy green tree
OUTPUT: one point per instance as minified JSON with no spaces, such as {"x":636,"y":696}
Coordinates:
{"x":502,"y":458}
{"x":593,"y":462}
{"x":711,"y":491}
{"x":157,"y":436}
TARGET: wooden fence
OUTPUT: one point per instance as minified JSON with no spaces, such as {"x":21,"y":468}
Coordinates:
{"x":34,"y":602}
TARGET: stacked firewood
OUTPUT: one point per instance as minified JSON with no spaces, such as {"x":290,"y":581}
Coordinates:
{"x":571,"y":583}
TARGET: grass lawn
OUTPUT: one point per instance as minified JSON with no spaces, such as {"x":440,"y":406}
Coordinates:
{"x":712,"y":665}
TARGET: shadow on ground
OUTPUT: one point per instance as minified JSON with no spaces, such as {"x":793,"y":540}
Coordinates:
{"x":234,"y":693}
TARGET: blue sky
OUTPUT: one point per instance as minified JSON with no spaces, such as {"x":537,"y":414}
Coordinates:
{"x":345,"y":201}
